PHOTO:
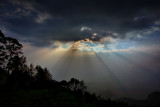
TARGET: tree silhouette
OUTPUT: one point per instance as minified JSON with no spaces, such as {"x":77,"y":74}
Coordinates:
{"x":3,"y":60}
{"x":13,"y":65}
{"x":3,"y":52}
{"x":76,"y":85}
{"x":11,"y":51}
{"x":42,"y":74}
{"x":42,"y":77}
{"x":20,"y":71}
{"x":14,"y":49}
{"x":64,"y":84}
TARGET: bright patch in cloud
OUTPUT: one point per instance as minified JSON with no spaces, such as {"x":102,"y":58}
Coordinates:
{"x":42,"y":17}
{"x":107,"y":45}
{"x":85,"y":28}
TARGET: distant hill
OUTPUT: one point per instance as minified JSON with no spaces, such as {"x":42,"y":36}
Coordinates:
{"x":153,"y":99}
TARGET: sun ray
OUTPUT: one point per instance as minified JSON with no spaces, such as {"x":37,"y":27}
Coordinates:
{"x":109,"y":71}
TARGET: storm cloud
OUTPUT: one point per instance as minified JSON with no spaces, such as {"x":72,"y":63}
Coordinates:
{"x":46,"y":21}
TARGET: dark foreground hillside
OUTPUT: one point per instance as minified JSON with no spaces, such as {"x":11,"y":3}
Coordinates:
{"x":52,"y":98}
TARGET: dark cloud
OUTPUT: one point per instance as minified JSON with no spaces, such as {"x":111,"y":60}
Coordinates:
{"x":50,"y":20}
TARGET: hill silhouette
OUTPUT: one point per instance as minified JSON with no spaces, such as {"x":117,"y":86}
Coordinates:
{"x":153,"y":100}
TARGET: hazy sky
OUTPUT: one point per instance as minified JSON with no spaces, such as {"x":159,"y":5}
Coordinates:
{"x":113,"y":45}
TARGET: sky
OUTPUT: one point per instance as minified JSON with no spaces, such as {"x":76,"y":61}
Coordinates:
{"x":113,"y":45}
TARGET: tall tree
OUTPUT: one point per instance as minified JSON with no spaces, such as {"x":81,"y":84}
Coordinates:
{"x":11,"y":51}
{"x":14,"y":49}
{"x":12,"y":61}
{"x":3,"y":60}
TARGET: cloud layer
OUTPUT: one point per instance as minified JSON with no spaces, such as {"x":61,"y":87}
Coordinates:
{"x":69,"y":20}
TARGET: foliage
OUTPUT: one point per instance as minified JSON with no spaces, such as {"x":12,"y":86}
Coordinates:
{"x":42,"y":74}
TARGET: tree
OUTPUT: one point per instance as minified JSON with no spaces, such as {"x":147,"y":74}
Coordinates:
{"x":11,"y":51}
{"x":31,"y":70}
{"x":12,"y":62}
{"x":64,"y":84}
{"x":42,"y":77}
{"x":3,"y":60}
{"x":20,"y":71}
{"x":42,"y":74}
{"x":3,"y":52}
{"x":76,"y":85}
{"x":14,"y":49}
